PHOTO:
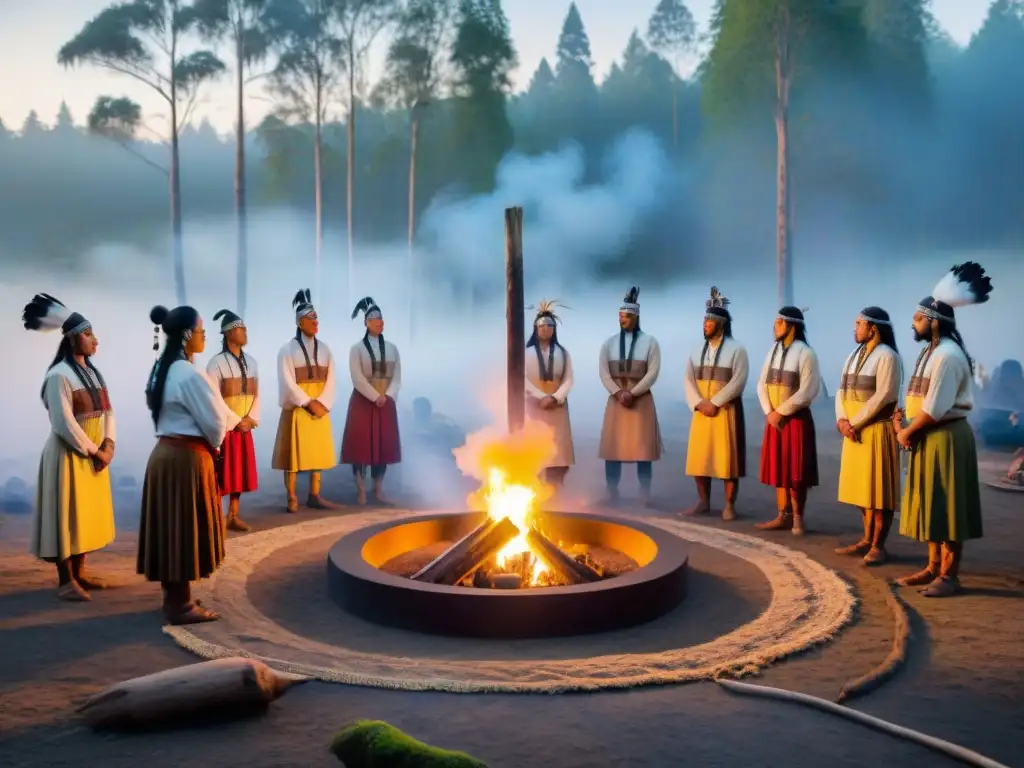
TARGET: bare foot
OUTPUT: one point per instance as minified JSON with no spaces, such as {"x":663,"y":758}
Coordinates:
{"x":919,"y":579}
{"x":944,"y":586}
{"x":798,"y":526}
{"x":293,"y":505}
{"x":875,"y":556}
{"x":88,"y":581}
{"x":318,"y":502}
{"x":73,"y":592}
{"x":782,"y":522}
{"x":698,"y":509}
{"x":238,"y":524}
{"x":728,"y":513}
{"x":860,"y":548}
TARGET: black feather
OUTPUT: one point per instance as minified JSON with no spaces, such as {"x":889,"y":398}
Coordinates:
{"x":34,"y":312}
{"x":973,"y":273}
{"x":302,"y":297}
{"x":632,"y":295}
{"x":363,"y":305}
{"x":219,"y":314}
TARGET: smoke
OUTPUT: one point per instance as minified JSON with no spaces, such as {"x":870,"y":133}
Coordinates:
{"x":571,"y":225}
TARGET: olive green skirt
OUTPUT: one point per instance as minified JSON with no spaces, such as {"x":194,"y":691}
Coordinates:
{"x":941,"y":493}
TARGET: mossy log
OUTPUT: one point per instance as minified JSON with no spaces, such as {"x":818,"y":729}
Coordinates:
{"x":373,"y":743}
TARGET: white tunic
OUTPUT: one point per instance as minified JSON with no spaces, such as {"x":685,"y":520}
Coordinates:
{"x":647,"y":351}
{"x":562,"y":375}
{"x":223,"y":368}
{"x":292,"y":367}
{"x":193,"y":406}
{"x":945,"y":384}
{"x":798,"y":381}
{"x":729,"y":357}
{"x":876,"y":385}
{"x":68,"y":402}
{"x":361,"y":369}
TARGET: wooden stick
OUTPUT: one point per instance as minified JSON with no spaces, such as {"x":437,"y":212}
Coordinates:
{"x":567,"y":567}
{"x":515,"y":319}
{"x":478,"y":554}
{"x":455,"y":552}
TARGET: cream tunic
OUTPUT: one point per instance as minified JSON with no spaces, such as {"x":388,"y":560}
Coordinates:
{"x":865,"y":396}
{"x":793,"y":387}
{"x":558,"y":387}
{"x":630,"y":434}
{"x":74,"y":511}
{"x":365,"y":379}
{"x":226,"y":375}
{"x":193,"y":406}
{"x":944,"y":389}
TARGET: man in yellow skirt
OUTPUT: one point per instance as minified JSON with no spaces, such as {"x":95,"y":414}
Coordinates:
{"x":865,"y":402}
{"x":716,"y":375}
{"x":941,"y":493}
{"x":306,"y":387}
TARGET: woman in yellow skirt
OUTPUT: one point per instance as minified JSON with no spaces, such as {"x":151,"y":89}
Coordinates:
{"x":865,"y":402}
{"x":181,"y":533}
{"x":74,"y":512}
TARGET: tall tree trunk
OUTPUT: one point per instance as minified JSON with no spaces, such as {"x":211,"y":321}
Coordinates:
{"x":318,"y":194}
{"x":351,"y":180}
{"x":783,"y":76}
{"x":241,"y":230}
{"x":414,"y":129}
{"x":175,"y":180}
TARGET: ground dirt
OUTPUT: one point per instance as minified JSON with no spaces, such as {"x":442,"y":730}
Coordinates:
{"x":963,"y":680}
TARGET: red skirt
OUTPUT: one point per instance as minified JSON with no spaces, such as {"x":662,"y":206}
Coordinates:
{"x":371,"y":433}
{"x":789,"y":456}
{"x":238,"y":464}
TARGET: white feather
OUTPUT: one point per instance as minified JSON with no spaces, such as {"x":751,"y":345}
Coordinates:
{"x":952,"y":291}
{"x":55,"y":316}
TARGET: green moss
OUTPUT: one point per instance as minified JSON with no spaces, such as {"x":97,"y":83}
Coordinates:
{"x":375,"y":744}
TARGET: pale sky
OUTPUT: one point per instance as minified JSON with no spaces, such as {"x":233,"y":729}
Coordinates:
{"x":32,"y":31}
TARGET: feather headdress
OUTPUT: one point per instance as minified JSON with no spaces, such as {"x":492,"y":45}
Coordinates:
{"x":303,"y":303}
{"x":546,"y":308}
{"x":963,"y":285}
{"x":630,"y":302}
{"x":369,"y":309}
{"x":45,"y":313}
{"x":717,"y":306}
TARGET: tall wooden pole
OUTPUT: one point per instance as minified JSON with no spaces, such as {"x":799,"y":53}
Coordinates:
{"x":515,"y":320}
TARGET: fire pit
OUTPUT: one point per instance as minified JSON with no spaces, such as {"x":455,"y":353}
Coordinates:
{"x":491,"y":575}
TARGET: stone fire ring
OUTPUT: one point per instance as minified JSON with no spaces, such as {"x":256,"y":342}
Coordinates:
{"x":647,"y":593}
{"x":810,"y":604}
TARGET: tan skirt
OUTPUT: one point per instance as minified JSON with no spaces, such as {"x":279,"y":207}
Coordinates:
{"x":558,"y":419}
{"x":181,"y":533}
{"x":630,"y":434}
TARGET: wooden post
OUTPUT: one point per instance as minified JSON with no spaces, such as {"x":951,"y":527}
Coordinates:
{"x":515,"y":320}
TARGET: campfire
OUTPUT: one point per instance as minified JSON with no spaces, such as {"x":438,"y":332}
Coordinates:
{"x":509,"y":550}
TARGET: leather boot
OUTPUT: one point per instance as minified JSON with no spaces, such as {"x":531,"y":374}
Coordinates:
{"x":948,"y":582}
{"x":289,"y":486}
{"x":930,"y":573}
{"x":234,"y":522}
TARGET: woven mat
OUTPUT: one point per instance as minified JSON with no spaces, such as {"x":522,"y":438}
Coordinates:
{"x":809,"y":605}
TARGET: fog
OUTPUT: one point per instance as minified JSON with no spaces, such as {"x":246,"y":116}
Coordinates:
{"x":457,"y":356}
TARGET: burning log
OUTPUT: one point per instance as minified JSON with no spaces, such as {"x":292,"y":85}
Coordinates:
{"x":463,"y":563}
{"x":572,"y":571}
{"x":455,"y":552}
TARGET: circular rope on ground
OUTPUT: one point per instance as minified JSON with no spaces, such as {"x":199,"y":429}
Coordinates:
{"x":809,"y":605}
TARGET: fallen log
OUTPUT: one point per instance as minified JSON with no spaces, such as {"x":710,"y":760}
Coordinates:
{"x":477,"y":554}
{"x":455,"y":552}
{"x":569,"y":569}
{"x":219,"y":685}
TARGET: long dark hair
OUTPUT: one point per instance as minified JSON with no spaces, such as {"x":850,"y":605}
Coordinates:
{"x":554,"y":334}
{"x":947,"y":330}
{"x":175,"y":324}
{"x":790,"y":314}
{"x":886,"y":334}
{"x":66,"y":354}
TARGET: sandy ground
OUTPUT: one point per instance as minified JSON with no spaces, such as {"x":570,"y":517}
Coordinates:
{"x":963,"y":682}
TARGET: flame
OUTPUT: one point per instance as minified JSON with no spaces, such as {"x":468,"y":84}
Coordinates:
{"x":509,"y":467}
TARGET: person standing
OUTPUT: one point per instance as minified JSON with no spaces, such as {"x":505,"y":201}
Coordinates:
{"x":941,"y":502}
{"x":306,"y":389}
{"x":371,"y":438}
{"x":716,"y":375}
{"x":865,"y":402}
{"x":629,"y":364}
{"x":549,"y":379}
{"x":235,"y":374}
{"x":74,"y":511}
{"x":789,"y":382}
{"x":181,"y":531}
